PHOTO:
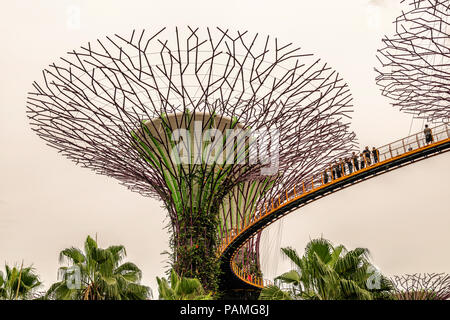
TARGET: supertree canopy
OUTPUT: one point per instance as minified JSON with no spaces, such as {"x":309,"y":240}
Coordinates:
{"x":415,"y":61}
{"x":433,"y":286}
{"x":211,"y":122}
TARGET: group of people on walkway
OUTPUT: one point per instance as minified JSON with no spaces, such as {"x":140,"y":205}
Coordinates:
{"x":351,"y":164}
{"x":357,"y":162}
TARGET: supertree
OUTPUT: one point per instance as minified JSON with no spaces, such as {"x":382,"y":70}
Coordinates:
{"x":432,"y":286}
{"x":210,"y":122}
{"x":415,"y":70}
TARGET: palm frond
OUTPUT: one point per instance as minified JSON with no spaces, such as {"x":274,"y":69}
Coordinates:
{"x":73,"y":255}
{"x":290,"y":277}
{"x":274,"y":293}
{"x":292,"y":255}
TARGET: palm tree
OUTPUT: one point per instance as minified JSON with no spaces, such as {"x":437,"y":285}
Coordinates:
{"x":273,"y":292}
{"x":326,"y":272}
{"x":18,"y":283}
{"x":181,"y":288}
{"x":96,"y":274}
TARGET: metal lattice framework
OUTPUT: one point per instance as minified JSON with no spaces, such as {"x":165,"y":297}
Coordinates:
{"x":114,"y":106}
{"x":415,"y":61}
{"x":433,"y":286}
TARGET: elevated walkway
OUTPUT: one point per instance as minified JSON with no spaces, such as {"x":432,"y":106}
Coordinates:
{"x":391,"y":156}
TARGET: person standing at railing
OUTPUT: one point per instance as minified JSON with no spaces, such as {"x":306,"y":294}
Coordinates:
{"x":355,"y":161}
{"x":348,"y":162}
{"x":342,"y":166}
{"x":325,"y":177}
{"x":428,"y":135}
{"x":339,"y":168}
{"x":334,"y":170}
{"x":375,"y":155}
{"x":362,"y":162}
{"x":366,"y":153}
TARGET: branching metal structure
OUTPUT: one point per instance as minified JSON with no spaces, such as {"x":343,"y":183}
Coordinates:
{"x":433,"y":286}
{"x":116,"y":106}
{"x":415,"y":61}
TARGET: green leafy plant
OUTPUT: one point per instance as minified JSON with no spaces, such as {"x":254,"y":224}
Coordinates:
{"x":326,"y":272}
{"x":181,"y":288}
{"x":18,"y":283}
{"x":99,"y":275}
{"x":275,"y":293}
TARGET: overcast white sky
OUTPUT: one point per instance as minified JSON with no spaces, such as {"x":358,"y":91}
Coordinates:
{"x":47,"y":203}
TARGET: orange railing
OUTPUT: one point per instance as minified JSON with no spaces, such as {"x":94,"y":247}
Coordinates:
{"x":386,"y":153}
{"x":249,"y":277}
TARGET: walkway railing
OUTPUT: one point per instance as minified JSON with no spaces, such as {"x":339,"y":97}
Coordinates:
{"x":249,"y":277}
{"x":386,"y":153}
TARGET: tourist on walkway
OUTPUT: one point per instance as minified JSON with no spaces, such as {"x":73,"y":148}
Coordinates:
{"x":340,"y":170}
{"x":355,"y":161}
{"x":428,"y":135}
{"x":375,"y":155}
{"x":366,"y":153}
{"x":348,"y":162}
{"x":337,"y":170}
{"x":325,"y":177}
{"x":362,"y":162}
